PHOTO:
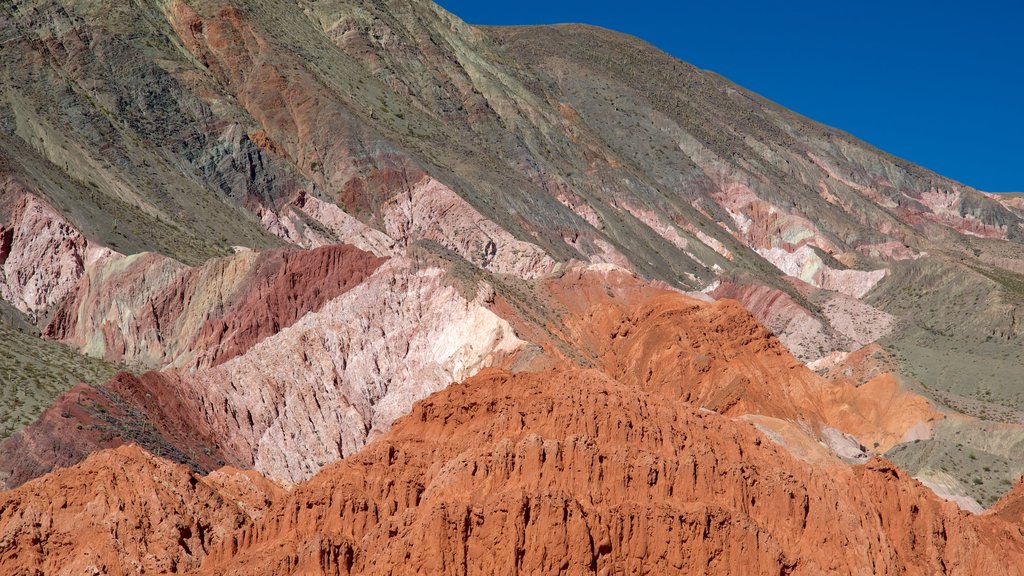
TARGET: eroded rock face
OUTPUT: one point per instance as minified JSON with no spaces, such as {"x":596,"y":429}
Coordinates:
{"x":580,"y":473}
{"x":805,"y":334}
{"x":842,"y":324}
{"x":434,"y":212}
{"x":315,"y":389}
{"x":281,"y":292}
{"x":695,"y":440}
{"x":430,"y":211}
{"x":63,"y":435}
{"x":806,"y":265}
{"x":563,"y":470}
{"x":292,"y":223}
{"x":716,"y":356}
{"x":148,"y":310}
{"x":42,"y":255}
{"x":124,"y":511}
{"x":322,"y":388}
{"x":319,"y":389}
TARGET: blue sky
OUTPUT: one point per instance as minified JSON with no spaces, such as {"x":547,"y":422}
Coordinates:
{"x":939,"y":83}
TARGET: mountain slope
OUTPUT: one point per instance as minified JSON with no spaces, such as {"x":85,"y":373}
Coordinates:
{"x":294,"y":219}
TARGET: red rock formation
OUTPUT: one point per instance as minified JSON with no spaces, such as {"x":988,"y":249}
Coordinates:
{"x":714,"y":355}
{"x":6,"y":241}
{"x":330,"y":384}
{"x":642,"y":463}
{"x":153,"y":410}
{"x":559,"y":471}
{"x":1011,"y":507}
{"x":575,"y":472}
{"x":123,"y":511}
{"x":717,"y":356}
{"x":880,"y":413}
{"x":63,"y":435}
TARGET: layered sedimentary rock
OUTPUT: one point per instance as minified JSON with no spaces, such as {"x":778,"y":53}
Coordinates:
{"x":395,"y":124}
{"x":580,"y":473}
{"x":320,"y":389}
{"x":388,"y":124}
{"x":314,"y":390}
{"x":317,"y":390}
{"x":805,"y":334}
{"x":443,"y":188}
{"x":151,"y":311}
{"x":696,"y":442}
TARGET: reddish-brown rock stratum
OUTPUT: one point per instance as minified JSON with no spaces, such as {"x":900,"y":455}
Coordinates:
{"x":573,"y":471}
{"x":278,"y":291}
{"x":122,"y":511}
{"x":563,"y":471}
{"x":153,"y":311}
{"x":718,"y":356}
{"x":320,"y":389}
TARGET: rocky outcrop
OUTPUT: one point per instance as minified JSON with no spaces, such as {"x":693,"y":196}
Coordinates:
{"x":337,"y":378}
{"x":124,"y":511}
{"x":42,"y":255}
{"x":319,"y":389}
{"x":807,"y":336}
{"x":717,"y":356}
{"x":808,"y":266}
{"x":432,"y":211}
{"x":564,"y":470}
{"x":311,"y":223}
{"x":429,"y":211}
{"x":312,"y":392}
{"x":280,"y":289}
{"x":695,"y":441}
{"x":63,"y":435}
{"x":577,"y":472}
{"x":881,"y":413}
{"x":842,"y":324}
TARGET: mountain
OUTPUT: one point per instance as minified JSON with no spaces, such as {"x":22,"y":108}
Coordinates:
{"x":254,"y":234}
{"x":566,"y":469}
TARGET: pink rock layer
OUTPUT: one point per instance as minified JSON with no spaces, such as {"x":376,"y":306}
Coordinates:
{"x":42,"y":255}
